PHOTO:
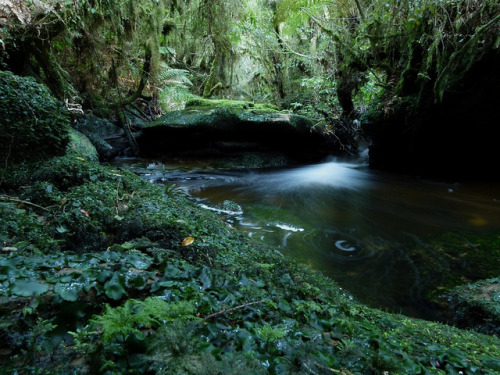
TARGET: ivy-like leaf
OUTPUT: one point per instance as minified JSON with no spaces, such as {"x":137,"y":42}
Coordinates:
{"x":69,"y":291}
{"x":114,"y":288}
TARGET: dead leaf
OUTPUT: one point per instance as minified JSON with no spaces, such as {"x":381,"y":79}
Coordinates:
{"x":85,"y":212}
{"x":187,"y":241}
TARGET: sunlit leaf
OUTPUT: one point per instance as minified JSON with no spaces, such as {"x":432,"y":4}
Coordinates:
{"x":187,"y":241}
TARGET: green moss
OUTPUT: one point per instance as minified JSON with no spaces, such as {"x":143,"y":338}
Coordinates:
{"x":476,"y":255}
{"x":477,"y":305}
{"x":80,"y":146}
{"x":235,"y":104}
{"x":34,"y":125}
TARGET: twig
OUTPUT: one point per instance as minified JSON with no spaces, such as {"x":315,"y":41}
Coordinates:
{"x":228,"y":311}
{"x":118,"y":199}
{"x":6,"y":198}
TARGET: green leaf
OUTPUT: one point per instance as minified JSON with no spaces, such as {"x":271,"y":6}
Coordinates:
{"x":138,"y":261}
{"x":62,"y":229}
{"x":69,"y":291}
{"x":114,"y":288}
{"x":205,"y":278}
{"x":28,"y":288}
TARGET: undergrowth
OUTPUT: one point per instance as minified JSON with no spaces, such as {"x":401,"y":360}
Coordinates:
{"x":130,"y":295}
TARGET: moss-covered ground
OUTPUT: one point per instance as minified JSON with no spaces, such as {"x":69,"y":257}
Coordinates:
{"x":201,"y":103}
{"x":103,"y":272}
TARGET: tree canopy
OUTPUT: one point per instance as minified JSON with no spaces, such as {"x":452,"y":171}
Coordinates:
{"x":323,"y":58}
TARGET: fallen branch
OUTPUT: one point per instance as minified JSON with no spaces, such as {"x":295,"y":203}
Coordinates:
{"x":228,"y":311}
{"x":6,"y":198}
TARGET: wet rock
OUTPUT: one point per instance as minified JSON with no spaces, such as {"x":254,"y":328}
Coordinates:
{"x":107,"y":138}
{"x":229,"y":206}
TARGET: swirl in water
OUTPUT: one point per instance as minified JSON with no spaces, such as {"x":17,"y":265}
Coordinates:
{"x":344,"y":245}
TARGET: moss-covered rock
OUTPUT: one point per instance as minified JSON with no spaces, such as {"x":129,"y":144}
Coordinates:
{"x":229,"y":128}
{"x":80,"y":146}
{"x":217,"y":103}
{"x":108,"y":139}
{"x":33,"y":124}
{"x":477,"y":306}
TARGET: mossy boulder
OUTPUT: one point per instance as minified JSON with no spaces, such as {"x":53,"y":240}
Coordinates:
{"x":217,"y":103}
{"x":228,"y":128}
{"x":80,"y":146}
{"x":477,"y":306}
{"x":33,"y":124}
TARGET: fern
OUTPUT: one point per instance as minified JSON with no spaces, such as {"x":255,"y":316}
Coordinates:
{"x":127,"y":320}
{"x":174,"y":77}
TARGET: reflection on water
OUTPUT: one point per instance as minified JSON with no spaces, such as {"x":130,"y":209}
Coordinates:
{"x":366,"y":230}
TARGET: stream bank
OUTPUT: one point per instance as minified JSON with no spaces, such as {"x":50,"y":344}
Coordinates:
{"x":104,"y":272}
{"x":147,"y":280}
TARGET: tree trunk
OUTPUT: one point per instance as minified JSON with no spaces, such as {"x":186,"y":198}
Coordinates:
{"x":55,"y":77}
{"x":344,"y":94}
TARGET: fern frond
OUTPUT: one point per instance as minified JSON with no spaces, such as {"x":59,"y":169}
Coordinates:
{"x":128,"y":319}
{"x":170,"y":76}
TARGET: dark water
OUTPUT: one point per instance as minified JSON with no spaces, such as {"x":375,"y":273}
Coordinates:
{"x":369,"y":231}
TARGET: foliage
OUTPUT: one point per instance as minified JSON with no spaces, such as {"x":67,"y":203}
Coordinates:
{"x":97,"y":251}
{"x":441,"y":41}
{"x":34,"y":125}
{"x":174,"y":91}
{"x":410,"y":49}
{"x":126,"y":320}
{"x":135,"y":303}
{"x":95,"y":47}
{"x":202,"y":43}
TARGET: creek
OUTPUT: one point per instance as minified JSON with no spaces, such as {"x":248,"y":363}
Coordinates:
{"x":373,"y":232}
